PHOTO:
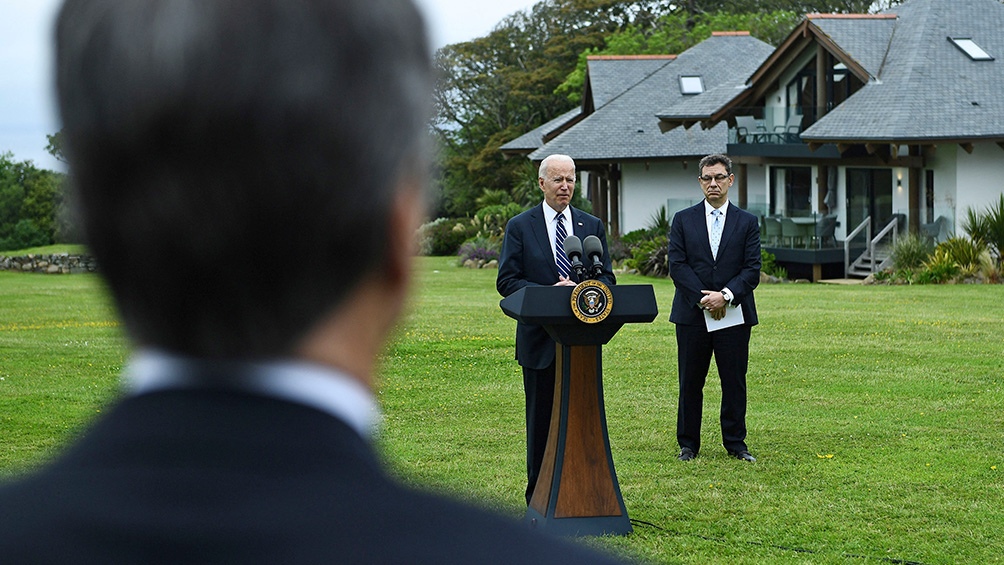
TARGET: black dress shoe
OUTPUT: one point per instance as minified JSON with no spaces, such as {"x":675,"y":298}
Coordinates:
{"x":686,"y":454}
{"x":744,"y":455}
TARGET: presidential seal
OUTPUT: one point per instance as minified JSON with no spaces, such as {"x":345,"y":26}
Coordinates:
{"x":592,"y":301}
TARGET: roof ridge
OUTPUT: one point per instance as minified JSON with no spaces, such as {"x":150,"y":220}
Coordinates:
{"x":628,"y":57}
{"x":818,"y":16}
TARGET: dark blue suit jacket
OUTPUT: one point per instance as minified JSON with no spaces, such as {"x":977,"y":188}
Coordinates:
{"x":219,"y":476}
{"x":693,"y":268}
{"x":527,"y":259}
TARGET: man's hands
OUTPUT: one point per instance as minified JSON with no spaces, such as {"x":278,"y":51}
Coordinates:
{"x":564,"y":281}
{"x":714,"y":302}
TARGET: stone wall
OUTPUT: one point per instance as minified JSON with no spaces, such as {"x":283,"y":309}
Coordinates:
{"x":51,"y":264}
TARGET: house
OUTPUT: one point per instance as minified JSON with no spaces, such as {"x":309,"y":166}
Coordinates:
{"x":859,"y":128}
{"x":631,"y":168}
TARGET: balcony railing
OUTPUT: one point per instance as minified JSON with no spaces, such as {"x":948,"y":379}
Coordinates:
{"x":768,"y":125}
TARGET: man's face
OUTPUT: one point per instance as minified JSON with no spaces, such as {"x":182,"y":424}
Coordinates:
{"x":715,"y":183}
{"x":558,"y":184}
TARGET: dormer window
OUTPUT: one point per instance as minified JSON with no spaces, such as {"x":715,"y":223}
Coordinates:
{"x":691,"y":84}
{"x":969,"y":47}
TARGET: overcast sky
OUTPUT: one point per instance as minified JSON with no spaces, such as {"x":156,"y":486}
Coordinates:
{"x":27,"y":111}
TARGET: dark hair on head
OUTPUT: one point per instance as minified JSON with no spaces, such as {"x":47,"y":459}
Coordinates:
{"x":715,"y":159}
{"x":235,"y":160}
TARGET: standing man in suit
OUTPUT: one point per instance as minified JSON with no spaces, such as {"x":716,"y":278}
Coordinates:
{"x":208,"y":140}
{"x":531,"y":255}
{"x":714,"y":261}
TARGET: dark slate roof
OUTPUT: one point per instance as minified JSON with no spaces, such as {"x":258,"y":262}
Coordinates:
{"x":610,"y":76}
{"x":626,"y":127}
{"x":864,"y":40}
{"x":607,"y":76}
{"x":535,"y":138}
{"x":928,"y":89}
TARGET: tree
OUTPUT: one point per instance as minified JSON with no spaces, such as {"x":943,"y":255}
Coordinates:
{"x":495,"y":88}
{"x":30,"y":201}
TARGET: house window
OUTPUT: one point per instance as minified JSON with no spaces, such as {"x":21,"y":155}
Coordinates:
{"x":691,"y":85}
{"x":790,"y":191}
{"x":969,"y":47}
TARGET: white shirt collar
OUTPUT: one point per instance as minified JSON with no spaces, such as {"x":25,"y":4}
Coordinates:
{"x":708,"y":208}
{"x":319,"y":387}
{"x":550,"y":213}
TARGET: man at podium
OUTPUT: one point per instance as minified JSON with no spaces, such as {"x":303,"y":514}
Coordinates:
{"x":533,"y":254}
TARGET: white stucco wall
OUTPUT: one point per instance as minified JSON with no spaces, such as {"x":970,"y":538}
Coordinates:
{"x":647,"y":186}
{"x":979,"y":179}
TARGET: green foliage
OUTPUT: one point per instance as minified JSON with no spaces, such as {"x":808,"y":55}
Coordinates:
{"x":650,"y":257}
{"x":659,"y":222}
{"x":31,"y":201}
{"x":676,"y":32}
{"x":939,"y":268}
{"x":24,"y":234}
{"x":911,"y":251}
{"x":490,"y":221}
{"x":769,"y":266}
{"x":988,"y":226}
{"x":966,"y":253}
{"x":443,"y":236}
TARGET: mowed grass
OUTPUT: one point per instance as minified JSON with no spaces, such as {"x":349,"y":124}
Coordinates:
{"x":876,"y":413}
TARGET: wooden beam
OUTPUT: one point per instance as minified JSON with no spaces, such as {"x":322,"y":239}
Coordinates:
{"x":967,"y":146}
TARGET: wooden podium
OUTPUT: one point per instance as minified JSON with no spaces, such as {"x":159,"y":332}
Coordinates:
{"x":577,"y":492}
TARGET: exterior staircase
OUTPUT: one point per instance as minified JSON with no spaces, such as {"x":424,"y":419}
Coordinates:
{"x":880,"y":256}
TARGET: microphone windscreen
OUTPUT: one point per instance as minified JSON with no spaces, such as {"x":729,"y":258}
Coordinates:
{"x":573,"y":247}
{"x":592,"y":246}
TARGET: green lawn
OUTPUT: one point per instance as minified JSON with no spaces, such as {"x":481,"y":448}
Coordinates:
{"x":875,"y":413}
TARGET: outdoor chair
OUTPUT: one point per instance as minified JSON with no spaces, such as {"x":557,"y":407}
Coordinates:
{"x":825,"y":231}
{"x":790,"y":233}
{"x":750,"y":130}
{"x":788,"y":133}
{"x":772,"y":231}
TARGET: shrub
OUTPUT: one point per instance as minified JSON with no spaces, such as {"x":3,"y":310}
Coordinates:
{"x":770,"y":267}
{"x":939,"y":268}
{"x":490,"y":221}
{"x":25,"y":234}
{"x":650,"y":257}
{"x":988,"y":226}
{"x":443,"y":236}
{"x":910,"y":252}
{"x":965,"y":253}
{"x":479,"y":249}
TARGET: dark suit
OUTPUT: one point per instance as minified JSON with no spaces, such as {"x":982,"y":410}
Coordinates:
{"x":527,"y":259}
{"x":219,"y":476}
{"x":693,"y":268}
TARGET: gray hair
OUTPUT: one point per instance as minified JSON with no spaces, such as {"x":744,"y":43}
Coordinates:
{"x":546,"y":163}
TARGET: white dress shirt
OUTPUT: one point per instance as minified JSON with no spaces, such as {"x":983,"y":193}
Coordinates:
{"x":317,"y":386}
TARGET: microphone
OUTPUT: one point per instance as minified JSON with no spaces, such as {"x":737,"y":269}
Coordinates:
{"x":594,"y":251}
{"x":573,"y":248}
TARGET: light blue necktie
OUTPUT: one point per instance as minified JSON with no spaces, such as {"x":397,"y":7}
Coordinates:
{"x":564,"y":266}
{"x":716,"y":232}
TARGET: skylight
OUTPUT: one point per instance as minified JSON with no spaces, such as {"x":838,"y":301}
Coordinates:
{"x":691,"y":84}
{"x":969,"y":47}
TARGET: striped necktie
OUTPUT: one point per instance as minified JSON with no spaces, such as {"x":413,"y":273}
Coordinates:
{"x":564,"y":266}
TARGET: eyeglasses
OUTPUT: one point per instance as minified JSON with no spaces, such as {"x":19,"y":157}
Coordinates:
{"x":718,"y":178}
